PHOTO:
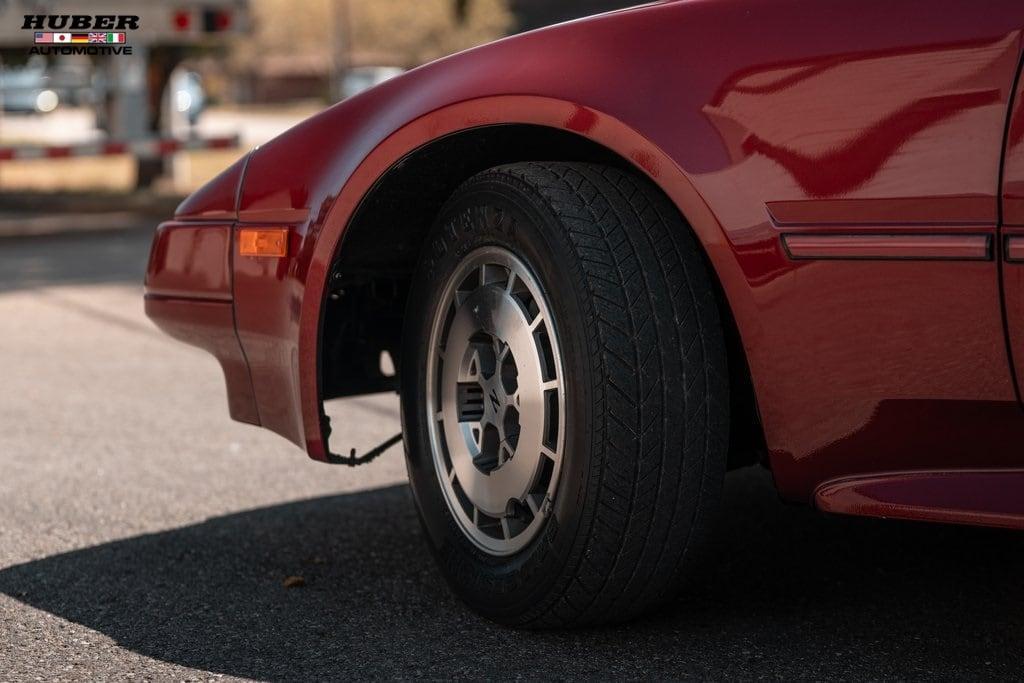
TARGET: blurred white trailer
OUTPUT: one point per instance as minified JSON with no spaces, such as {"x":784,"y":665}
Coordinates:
{"x":128,"y":86}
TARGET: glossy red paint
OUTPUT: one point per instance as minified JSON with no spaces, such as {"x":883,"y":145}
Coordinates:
{"x":267,"y":303}
{"x":218,"y":199}
{"x":862,"y":119}
{"x":981,"y":497}
{"x":191,"y":260}
{"x":210,"y":326}
{"x":188,"y":295}
{"x":1012,"y":232}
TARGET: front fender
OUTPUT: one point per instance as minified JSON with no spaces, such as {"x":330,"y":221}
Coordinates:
{"x":590,"y":77}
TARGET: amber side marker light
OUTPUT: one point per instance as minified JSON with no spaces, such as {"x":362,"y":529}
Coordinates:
{"x":263,"y":242}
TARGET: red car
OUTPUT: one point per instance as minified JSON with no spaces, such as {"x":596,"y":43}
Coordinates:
{"x":615,"y":257}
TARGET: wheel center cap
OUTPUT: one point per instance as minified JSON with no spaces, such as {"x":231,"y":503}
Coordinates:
{"x":495,"y":372}
{"x":490,"y":399}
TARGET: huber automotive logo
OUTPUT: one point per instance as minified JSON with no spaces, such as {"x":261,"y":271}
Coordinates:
{"x":70,"y":34}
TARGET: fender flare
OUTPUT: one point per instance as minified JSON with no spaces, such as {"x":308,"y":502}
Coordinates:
{"x":594,"y":125}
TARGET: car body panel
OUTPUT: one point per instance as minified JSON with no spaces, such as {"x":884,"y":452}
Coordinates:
{"x":978,"y":497}
{"x":189,"y":296}
{"x":1012,"y":237}
{"x":878,"y":122}
{"x":217,"y":200}
{"x":209,"y":325}
{"x":191,"y":260}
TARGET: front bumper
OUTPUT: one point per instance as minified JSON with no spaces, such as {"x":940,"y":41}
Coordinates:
{"x":188,"y":295}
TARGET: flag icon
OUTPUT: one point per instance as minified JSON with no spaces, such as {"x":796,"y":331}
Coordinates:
{"x":46,"y":37}
{"x":106,"y":37}
{"x":42,"y":37}
{"x":52,"y":37}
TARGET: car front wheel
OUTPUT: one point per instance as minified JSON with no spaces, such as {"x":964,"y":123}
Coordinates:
{"x":564,"y":398}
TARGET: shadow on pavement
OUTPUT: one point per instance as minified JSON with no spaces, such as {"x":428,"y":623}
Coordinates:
{"x":75,"y":258}
{"x":793,"y":594}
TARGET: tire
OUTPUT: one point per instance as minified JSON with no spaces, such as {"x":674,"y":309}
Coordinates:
{"x":642,"y":395}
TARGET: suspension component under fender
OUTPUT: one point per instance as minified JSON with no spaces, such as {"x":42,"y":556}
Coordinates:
{"x":353,"y":460}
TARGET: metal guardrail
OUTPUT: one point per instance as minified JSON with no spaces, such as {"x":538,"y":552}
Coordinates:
{"x":144,"y":148}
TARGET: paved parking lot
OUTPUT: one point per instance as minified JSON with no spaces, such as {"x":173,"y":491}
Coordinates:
{"x":145,"y":535}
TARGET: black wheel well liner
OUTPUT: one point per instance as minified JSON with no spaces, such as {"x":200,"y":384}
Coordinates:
{"x":364,"y":304}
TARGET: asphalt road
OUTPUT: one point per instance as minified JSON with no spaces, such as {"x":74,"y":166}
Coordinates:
{"x":144,"y":535}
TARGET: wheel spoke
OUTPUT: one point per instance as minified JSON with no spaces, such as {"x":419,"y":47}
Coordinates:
{"x":476,"y":429}
{"x":533,"y":501}
{"x":501,"y":350}
{"x":489,"y":273}
{"x":473,"y":372}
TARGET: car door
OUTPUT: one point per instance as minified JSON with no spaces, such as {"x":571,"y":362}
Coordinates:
{"x":861,"y":198}
{"x":1012,"y":232}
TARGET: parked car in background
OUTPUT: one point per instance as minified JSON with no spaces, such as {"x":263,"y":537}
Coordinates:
{"x":615,"y":257}
{"x":186,"y":100}
{"x":26,"y":89}
{"x":360,"y":78}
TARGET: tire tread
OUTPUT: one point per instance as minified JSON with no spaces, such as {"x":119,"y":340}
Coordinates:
{"x":659,"y":374}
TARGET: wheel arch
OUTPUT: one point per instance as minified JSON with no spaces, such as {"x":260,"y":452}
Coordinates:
{"x":360,"y":303}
